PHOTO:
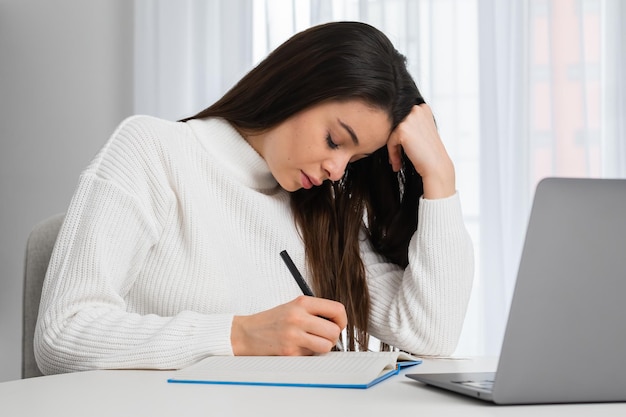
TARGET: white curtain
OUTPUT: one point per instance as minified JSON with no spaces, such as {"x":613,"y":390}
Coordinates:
{"x":613,"y":79}
{"x":502,"y":155}
{"x":552,"y":104}
{"x":521,"y":90}
{"x":188,"y":53}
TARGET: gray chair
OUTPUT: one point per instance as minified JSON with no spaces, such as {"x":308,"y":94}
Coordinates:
{"x":38,"y":250}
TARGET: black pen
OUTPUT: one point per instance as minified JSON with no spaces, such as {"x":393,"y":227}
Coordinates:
{"x":304,"y":287}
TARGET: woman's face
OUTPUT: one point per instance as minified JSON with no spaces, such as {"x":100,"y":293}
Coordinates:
{"x":317,"y":143}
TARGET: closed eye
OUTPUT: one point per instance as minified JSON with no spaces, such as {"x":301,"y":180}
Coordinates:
{"x":329,"y":141}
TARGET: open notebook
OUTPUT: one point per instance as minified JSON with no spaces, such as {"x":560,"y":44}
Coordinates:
{"x":332,"y":370}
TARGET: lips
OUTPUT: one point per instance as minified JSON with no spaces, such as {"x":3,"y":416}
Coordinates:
{"x":315,"y":181}
{"x":309,"y":182}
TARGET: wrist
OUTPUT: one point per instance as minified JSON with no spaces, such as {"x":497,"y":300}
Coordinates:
{"x":237,"y":336}
{"x":440,"y":183}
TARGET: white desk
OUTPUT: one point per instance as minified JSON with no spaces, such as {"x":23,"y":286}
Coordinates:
{"x":146,"y":393}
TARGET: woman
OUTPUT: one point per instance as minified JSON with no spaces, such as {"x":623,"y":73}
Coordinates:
{"x":170,"y":248}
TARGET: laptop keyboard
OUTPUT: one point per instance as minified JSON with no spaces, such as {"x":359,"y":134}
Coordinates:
{"x":486,"y":384}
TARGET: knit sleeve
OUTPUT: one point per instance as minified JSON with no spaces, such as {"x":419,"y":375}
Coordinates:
{"x":421,"y":309}
{"x":112,"y":222}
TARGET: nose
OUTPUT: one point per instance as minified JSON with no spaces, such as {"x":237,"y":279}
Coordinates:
{"x":335,"y":167}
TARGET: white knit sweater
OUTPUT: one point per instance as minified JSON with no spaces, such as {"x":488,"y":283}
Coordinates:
{"x":174,"y":228}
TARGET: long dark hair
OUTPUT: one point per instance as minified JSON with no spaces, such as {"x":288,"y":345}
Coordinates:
{"x":338,"y":61}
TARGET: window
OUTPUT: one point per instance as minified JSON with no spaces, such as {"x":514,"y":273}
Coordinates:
{"x":520,"y":90}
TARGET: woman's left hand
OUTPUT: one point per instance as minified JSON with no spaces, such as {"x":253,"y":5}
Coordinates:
{"x":417,"y":135}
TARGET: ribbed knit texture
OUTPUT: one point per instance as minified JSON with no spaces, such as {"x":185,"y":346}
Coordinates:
{"x":174,"y":228}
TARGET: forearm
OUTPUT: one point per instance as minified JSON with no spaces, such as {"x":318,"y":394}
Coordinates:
{"x":103,"y":338}
{"x":422,"y":308}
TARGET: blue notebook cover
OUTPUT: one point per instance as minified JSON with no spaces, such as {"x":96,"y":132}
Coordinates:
{"x":332,"y":370}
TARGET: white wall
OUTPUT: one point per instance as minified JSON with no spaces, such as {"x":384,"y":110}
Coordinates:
{"x":66,"y":69}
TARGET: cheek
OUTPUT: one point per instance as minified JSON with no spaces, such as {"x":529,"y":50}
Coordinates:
{"x":283,"y":157}
{"x":298,"y":149}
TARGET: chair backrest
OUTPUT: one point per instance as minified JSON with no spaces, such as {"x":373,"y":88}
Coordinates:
{"x":38,"y":250}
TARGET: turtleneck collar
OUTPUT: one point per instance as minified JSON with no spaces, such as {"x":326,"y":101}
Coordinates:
{"x":222,"y":140}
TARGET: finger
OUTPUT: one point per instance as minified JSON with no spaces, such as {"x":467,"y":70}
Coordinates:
{"x":314,"y":343}
{"x":395,"y":155}
{"x":332,"y":311}
{"x":426,"y":108}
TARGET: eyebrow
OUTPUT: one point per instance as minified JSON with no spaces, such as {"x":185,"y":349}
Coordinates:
{"x":355,"y":139}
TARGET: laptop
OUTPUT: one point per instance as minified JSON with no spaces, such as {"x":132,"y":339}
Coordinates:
{"x":565,"y":338}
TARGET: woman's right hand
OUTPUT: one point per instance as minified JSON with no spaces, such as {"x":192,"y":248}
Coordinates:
{"x":417,"y":135}
{"x":303,"y":326}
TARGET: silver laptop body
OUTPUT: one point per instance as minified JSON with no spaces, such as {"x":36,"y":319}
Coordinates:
{"x":565,"y":339}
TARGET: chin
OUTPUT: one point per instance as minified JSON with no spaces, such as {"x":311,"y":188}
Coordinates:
{"x":290,"y":187}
